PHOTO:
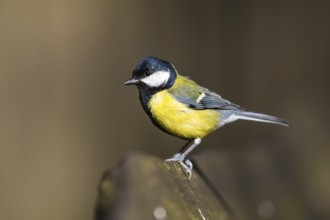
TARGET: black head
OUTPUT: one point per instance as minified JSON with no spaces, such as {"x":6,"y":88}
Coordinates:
{"x":154,"y":73}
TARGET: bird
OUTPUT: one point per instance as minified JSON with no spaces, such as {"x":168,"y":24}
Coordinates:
{"x":180,"y":107}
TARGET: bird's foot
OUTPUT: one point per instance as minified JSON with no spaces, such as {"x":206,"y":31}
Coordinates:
{"x":186,"y":164}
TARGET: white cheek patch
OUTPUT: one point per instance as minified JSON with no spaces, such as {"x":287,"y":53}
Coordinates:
{"x":157,"y":79}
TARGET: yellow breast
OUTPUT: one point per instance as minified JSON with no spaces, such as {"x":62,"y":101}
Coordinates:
{"x":180,"y":120}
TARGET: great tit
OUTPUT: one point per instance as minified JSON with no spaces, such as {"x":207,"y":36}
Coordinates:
{"x":180,"y":107}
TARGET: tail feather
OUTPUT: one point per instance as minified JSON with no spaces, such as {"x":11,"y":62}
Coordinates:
{"x":252,"y":116}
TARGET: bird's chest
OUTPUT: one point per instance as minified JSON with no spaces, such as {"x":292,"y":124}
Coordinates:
{"x":180,"y":120}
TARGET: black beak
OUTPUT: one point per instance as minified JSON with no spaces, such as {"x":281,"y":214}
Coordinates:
{"x":132,"y":82}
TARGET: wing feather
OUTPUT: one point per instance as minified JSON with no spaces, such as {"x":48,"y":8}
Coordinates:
{"x":199,"y":98}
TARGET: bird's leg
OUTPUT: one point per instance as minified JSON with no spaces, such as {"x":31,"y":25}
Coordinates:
{"x":196,"y":142}
{"x":180,"y":157}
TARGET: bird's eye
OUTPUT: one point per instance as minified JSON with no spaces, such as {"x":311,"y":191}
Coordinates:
{"x":146,"y":73}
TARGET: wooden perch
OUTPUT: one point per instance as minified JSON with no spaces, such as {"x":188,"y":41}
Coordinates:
{"x":145,"y":187}
{"x":249,"y":184}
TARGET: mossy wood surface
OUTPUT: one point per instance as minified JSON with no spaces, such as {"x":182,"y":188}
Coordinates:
{"x":222,"y":187}
{"x":145,"y":187}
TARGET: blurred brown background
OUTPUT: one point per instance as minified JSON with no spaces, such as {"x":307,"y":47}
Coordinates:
{"x":65,"y":116}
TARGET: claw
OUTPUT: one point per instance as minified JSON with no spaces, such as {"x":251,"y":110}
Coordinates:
{"x":187,"y":165}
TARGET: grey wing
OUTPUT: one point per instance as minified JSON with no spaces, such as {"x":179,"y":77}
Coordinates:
{"x":203,"y":99}
{"x":211,"y":100}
